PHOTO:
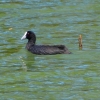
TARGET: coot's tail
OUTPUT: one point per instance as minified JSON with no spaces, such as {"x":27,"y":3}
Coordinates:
{"x":65,"y":50}
{"x":68,"y":52}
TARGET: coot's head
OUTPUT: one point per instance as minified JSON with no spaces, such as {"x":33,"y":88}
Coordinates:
{"x":30,"y":36}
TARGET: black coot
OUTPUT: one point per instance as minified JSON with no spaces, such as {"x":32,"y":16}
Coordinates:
{"x":42,"y":49}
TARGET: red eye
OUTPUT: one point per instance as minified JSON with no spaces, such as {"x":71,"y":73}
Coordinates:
{"x":28,"y":33}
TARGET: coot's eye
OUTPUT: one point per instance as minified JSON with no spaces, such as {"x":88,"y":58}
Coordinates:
{"x":28,"y":33}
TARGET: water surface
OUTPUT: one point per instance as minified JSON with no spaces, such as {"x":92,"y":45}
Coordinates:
{"x":51,"y":77}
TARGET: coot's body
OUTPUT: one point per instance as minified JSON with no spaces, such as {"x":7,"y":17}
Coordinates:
{"x":43,"y":49}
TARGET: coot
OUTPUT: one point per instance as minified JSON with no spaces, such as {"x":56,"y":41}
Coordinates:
{"x":42,"y":49}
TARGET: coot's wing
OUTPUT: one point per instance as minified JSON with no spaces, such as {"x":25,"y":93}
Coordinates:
{"x":47,"y":49}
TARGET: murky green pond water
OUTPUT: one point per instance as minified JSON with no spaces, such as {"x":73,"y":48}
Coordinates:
{"x":25,"y":76}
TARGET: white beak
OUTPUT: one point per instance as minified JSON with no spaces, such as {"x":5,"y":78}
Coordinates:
{"x":24,"y":36}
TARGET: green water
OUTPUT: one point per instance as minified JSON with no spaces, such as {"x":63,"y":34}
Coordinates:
{"x":25,"y":76}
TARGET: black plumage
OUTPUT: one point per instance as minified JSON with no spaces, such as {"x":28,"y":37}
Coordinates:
{"x":43,"y":49}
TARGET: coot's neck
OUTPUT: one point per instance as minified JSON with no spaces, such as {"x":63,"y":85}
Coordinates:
{"x":31,"y":41}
